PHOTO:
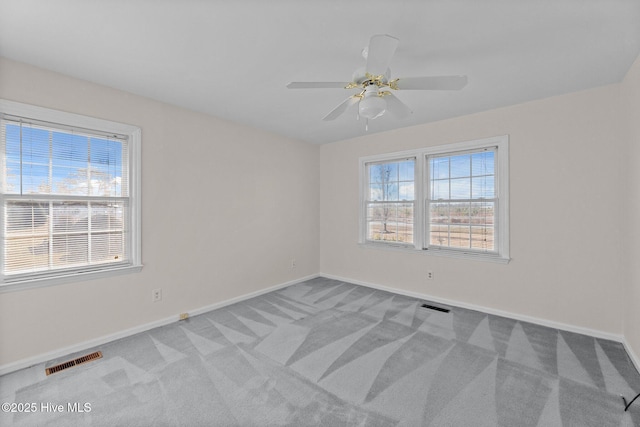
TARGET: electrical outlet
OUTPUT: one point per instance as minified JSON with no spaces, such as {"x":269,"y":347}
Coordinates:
{"x":156,"y":295}
{"x":429,"y":275}
{"x":293,"y":264}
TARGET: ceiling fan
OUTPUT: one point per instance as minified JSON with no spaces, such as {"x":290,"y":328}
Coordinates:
{"x":374,"y":82}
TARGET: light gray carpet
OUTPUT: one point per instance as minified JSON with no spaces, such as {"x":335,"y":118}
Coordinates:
{"x":336,"y":354}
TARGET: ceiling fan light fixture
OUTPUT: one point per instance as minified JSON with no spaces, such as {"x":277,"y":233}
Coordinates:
{"x":372,"y":104}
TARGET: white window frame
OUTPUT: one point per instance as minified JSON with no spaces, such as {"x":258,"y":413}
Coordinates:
{"x":365,"y":201}
{"x":421,"y":213}
{"x":134,"y":135}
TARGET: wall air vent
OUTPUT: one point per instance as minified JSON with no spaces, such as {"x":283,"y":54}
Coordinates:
{"x":433,"y":307}
{"x":74,"y":362}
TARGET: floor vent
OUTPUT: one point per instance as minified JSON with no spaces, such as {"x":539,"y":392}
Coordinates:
{"x":74,"y":362}
{"x":433,"y":307}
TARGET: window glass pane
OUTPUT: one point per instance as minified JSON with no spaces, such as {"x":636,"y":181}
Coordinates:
{"x":459,"y":213}
{"x":27,"y":218}
{"x":391,"y":170}
{"x":106,"y":247}
{"x":404,"y":222}
{"x":27,"y":243}
{"x":374,"y":221}
{"x":12,"y":178}
{"x":383,"y":173}
{"x":70,"y":155}
{"x":407,"y":170}
{"x":461,"y":188}
{"x":12,"y":142}
{"x":439,"y":235}
{"x":459,"y":236}
{"x":375,"y":192}
{"x":482,"y":213}
{"x":482,"y":238}
{"x":25,"y":254}
{"x":389,"y":215}
{"x":440,"y":190}
{"x":393,"y":181}
{"x":35,"y":179}
{"x":406,"y":191}
{"x":375,"y":174}
{"x":390,"y":191}
{"x":460,"y":165}
{"x":70,"y":233}
{"x":70,"y":150}
{"x":106,"y":216}
{"x":70,"y":250}
{"x":105,"y":181}
{"x":390,"y":222}
{"x":70,"y":216}
{"x":483,"y":187}
{"x":482,"y":163}
{"x":107,"y":152}
{"x":69,"y":181}
{"x":439,"y":167}
{"x":35,"y":146}
{"x":12,"y":159}
{"x":439,"y":213}
{"x":106,"y":167}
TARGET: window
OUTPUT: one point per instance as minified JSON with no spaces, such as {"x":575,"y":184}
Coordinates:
{"x":69,"y":196}
{"x":391,"y":201}
{"x":461,"y":200}
{"x":447,"y":200}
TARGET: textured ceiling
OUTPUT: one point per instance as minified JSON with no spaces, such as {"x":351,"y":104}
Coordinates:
{"x":233,"y":59}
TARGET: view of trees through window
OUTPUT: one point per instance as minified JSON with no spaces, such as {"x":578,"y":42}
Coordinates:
{"x":390,"y":202}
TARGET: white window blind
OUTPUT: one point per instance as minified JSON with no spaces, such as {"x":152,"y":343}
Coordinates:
{"x":65,"y":198}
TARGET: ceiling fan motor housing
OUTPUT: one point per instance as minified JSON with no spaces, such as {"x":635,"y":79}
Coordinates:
{"x":360,"y":76}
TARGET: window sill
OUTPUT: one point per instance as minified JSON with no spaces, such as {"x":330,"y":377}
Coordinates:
{"x":70,"y":277}
{"x":475,"y":256}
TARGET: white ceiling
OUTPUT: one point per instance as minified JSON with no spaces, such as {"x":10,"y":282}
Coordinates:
{"x":232,"y":59}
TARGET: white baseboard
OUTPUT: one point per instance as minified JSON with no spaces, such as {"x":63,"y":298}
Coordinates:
{"x":44,"y":357}
{"x":544,"y":322}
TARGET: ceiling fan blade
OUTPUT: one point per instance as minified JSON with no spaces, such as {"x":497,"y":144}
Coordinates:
{"x":380,"y":51}
{"x":431,"y":83}
{"x":317,"y":85}
{"x":340,"y":109}
{"x":396,"y":107}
